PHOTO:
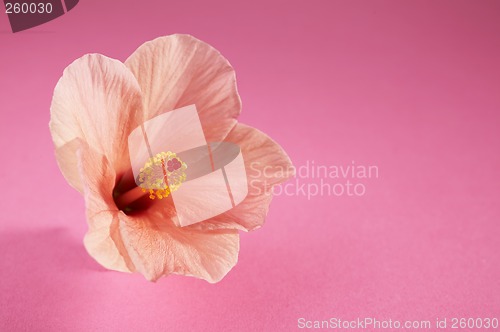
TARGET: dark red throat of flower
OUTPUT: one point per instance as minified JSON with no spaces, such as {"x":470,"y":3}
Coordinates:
{"x":129,"y":197}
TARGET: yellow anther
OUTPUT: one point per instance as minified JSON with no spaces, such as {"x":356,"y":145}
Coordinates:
{"x":162,"y":174}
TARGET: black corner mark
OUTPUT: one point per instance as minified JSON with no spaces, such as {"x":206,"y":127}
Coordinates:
{"x":70,"y":4}
{"x":26,"y":14}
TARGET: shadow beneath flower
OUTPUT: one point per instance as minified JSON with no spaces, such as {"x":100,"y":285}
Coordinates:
{"x":38,"y":271}
{"x":42,"y":250}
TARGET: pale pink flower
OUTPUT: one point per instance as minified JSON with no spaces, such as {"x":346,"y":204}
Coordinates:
{"x":96,"y":104}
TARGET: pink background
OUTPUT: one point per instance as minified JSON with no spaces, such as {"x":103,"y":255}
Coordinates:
{"x":409,"y":86}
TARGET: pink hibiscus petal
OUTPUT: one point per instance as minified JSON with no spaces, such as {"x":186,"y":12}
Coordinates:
{"x":68,"y":163}
{"x":102,"y":241}
{"x":180,"y":70}
{"x":158,"y":248}
{"x":267,"y":164}
{"x":97,"y":100}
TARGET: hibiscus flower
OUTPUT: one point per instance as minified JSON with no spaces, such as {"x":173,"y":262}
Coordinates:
{"x":99,"y":101}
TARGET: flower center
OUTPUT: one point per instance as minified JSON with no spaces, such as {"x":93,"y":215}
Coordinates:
{"x":162,"y":174}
